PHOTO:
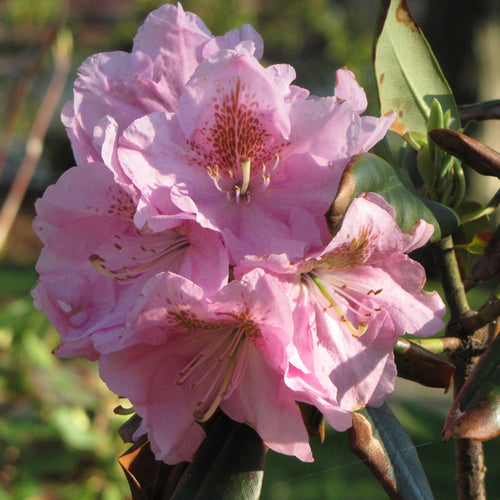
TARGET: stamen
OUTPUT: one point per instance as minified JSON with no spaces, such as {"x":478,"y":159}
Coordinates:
{"x":275,"y":164}
{"x":216,"y":172}
{"x":214,"y":175}
{"x":357,"y":332}
{"x":341,"y":290}
{"x":237,"y":193}
{"x":134,"y":272}
{"x":198,"y":360}
{"x":222,"y":391}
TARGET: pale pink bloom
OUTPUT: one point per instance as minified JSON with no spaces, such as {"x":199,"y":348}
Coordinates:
{"x":197,"y":354}
{"x":96,"y":261}
{"x":115,"y":88}
{"x":352,"y":300}
{"x":372,"y":128}
{"x":248,"y":155}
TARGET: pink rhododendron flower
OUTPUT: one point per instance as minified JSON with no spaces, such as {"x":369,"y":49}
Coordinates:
{"x":351,"y":301}
{"x":194,"y":158}
{"x":198,"y":354}
{"x":249,"y":156}
{"x":115,"y":88}
{"x":199,"y":126}
{"x":95,"y":261}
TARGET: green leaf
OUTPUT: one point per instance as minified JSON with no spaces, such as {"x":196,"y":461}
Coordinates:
{"x":380,"y":441}
{"x":369,"y":173}
{"x":229,"y":465}
{"x":475,"y":413}
{"x":408,"y":75}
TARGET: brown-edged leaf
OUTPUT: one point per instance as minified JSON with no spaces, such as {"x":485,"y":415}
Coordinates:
{"x":148,"y":478}
{"x":475,"y":413}
{"x":477,"y":155}
{"x":369,"y":173}
{"x":422,"y":366}
{"x":378,"y":438}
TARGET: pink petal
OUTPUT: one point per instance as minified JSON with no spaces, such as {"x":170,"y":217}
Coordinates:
{"x":141,"y":374}
{"x":226,"y":77}
{"x":174,"y":39}
{"x":348,"y":89}
{"x":263,"y":401}
{"x":235,"y":38}
{"x":324,"y":127}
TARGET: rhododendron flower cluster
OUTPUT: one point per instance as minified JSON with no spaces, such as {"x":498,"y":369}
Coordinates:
{"x":188,"y":251}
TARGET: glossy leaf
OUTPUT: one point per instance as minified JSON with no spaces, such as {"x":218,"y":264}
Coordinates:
{"x":422,"y":366}
{"x":475,"y":413}
{"x":380,"y":441}
{"x":474,"y":153}
{"x":408,"y":75}
{"x":229,"y":464}
{"x":369,"y":173}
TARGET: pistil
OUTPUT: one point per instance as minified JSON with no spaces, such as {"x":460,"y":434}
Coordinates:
{"x":246,"y":169}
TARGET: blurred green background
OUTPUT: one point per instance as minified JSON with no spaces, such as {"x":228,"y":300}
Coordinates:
{"x":58,"y":433}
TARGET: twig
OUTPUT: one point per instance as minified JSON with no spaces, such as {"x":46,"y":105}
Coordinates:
{"x":34,"y":144}
{"x":469,"y":456}
{"x":488,"y":110}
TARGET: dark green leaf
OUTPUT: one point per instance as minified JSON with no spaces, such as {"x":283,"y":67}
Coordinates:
{"x":408,"y":75}
{"x":475,"y":413}
{"x":380,"y":441}
{"x":369,"y":173}
{"x":229,"y":465}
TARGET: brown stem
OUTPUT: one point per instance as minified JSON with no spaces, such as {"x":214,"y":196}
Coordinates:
{"x":469,"y":456}
{"x":489,"y":110}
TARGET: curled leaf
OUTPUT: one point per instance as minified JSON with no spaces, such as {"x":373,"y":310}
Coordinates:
{"x":477,"y":155}
{"x":422,"y":366}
